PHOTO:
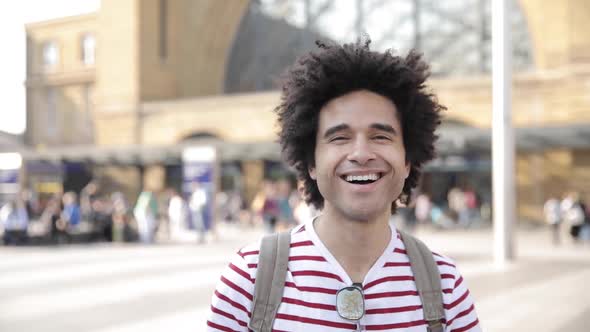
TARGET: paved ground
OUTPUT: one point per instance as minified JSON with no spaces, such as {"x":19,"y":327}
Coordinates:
{"x":545,"y":289}
{"x":100,"y":288}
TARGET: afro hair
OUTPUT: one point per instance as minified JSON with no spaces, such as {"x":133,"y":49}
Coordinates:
{"x":335,"y":70}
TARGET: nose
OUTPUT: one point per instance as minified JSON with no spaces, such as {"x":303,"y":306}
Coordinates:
{"x":361,"y":152}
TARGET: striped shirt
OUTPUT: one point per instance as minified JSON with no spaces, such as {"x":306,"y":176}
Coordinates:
{"x":313,"y":279}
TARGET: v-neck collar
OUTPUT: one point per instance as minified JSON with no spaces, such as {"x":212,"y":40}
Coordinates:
{"x":309,"y":228}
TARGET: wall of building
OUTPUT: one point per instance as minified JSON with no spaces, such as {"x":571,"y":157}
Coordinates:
{"x":550,"y":173}
{"x":195,"y":50}
{"x":555,"y":97}
{"x":135,"y":69}
{"x":67,"y":33}
{"x":157,"y":79}
{"x":70,"y":105}
{"x":234,"y":118}
{"x":141,"y":97}
{"x":558,"y":99}
{"x":117,"y":73}
{"x":557,"y":31}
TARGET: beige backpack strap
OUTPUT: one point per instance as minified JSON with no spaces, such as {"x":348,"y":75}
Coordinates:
{"x":427,"y":278}
{"x":270,"y":280}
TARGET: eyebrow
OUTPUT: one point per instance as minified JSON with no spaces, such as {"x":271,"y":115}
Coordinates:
{"x":341,"y":127}
{"x":332,"y":130}
{"x":384,"y":127}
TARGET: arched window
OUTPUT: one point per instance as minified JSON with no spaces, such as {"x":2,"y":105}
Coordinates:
{"x":454,"y":36}
{"x":88,"y":49}
{"x":50,"y":54}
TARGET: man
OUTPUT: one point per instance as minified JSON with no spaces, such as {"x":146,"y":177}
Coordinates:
{"x":71,"y":210}
{"x":146,"y":216}
{"x":552,"y":211}
{"x":357,"y":126}
{"x":197,"y":206}
{"x":177,"y":215}
{"x":15,"y":220}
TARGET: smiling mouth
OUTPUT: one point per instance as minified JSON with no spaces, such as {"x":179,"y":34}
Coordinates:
{"x":362,"y":179}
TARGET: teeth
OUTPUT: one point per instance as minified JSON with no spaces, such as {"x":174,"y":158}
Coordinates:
{"x":372,"y":177}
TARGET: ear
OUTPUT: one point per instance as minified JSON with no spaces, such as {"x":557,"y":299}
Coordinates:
{"x":407,"y":168}
{"x":312,"y":173}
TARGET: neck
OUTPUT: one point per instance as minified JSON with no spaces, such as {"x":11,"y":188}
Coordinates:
{"x":355,"y":244}
{"x":355,"y":232}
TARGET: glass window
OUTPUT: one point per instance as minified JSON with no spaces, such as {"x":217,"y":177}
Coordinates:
{"x":50,"y":53}
{"x":88,"y":49}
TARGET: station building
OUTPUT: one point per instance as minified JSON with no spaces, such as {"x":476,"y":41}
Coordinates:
{"x":120,"y":93}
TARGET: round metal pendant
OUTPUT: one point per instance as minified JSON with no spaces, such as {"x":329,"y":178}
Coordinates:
{"x":350,"y":303}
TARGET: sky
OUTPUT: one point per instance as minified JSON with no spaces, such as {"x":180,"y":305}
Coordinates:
{"x":13,"y":56}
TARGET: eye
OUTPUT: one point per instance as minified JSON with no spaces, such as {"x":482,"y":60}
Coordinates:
{"x":382,"y":138}
{"x":338,"y":138}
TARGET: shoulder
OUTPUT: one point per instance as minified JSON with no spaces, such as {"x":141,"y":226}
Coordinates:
{"x":446,"y":266}
{"x":448,"y":270}
{"x":250,"y":254}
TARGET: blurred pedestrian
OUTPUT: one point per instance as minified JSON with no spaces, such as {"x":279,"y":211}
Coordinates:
{"x":15,"y":221}
{"x":71,"y":211}
{"x":471,"y":206}
{"x":422,"y":209}
{"x":440,"y":218}
{"x":52,"y":215}
{"x":302,"y":211}
{"x":120,"y":218}
{"x":256,"y":206}
{"x":102,"y":219}
{"x":197,"y":206}
{"x":145,"y":213}
{"x":458,"y":206}
{"x":552,"y":212}
{"x":87,"y":197}
{"x":270,"y":207}
{"x":574,"y":214}
{"x":177,"y":215}
{"x":31,"y":202}
{"x":235,"y":205}
{"x":286,"y":218}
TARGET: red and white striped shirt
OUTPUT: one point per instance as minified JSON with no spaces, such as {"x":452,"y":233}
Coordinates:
{"x":313,"y":278}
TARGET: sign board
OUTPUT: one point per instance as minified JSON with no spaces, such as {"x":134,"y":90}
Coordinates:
{"x":199,"y":171}
{"x":10,"y":168}
{"x":44,"y":177}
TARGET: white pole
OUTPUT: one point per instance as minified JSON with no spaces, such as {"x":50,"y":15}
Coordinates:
{"x":502,"y":135}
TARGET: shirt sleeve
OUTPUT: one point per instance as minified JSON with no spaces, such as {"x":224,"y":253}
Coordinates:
{"x":460,"y":309}
{"x":231,"y":303}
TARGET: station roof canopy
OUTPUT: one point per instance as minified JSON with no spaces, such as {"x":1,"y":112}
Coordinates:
{"x":144,"y":155}
{"x":454,"y":139}
{"x":458,"y":138}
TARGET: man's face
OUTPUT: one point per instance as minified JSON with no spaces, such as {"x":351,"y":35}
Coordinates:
{"x":360,"y":159}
